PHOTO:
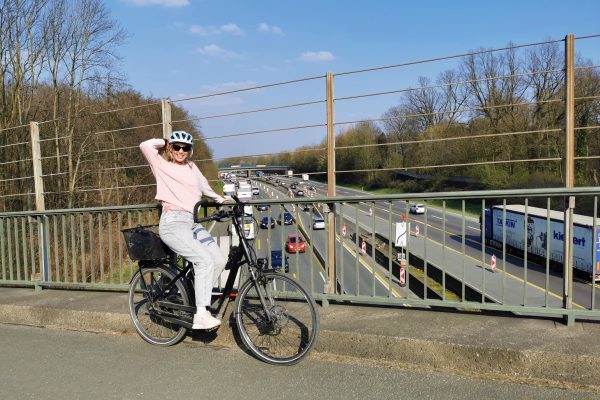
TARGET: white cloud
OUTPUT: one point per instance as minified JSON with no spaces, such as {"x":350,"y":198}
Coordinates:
{"x":211,"y":30}
{"x":232,"y":28}
{"x":262,"y":27}
{"x":215,"y":51}
{"x":316,"y":56}
{"x":162,"y":3}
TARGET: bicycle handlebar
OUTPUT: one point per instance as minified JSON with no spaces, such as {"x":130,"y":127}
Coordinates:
{"x":237,"y":210}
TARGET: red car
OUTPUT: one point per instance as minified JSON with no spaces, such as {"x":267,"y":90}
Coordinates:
{"x":295,"y":244}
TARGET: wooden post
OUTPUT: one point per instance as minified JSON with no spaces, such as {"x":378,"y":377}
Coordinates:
{"x":330,"y":286}
{"x":166,"y":118}
{"x":569,"y":168}
{"x":40,"y":204}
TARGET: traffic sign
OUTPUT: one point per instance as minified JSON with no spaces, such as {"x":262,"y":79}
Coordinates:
{"x":402,"y":275}
{"x":400,"y":234}
{"x":344,"y":230}
{"x":363,"y":247}
{"x":370,"y":212}
{"x":416,"y":230}
{"x":494,"y":263}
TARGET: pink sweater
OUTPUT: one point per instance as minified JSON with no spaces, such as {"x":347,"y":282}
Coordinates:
{"x":179,"y":185}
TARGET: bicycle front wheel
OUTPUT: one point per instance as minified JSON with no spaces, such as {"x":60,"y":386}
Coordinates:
{"x":284,"y":329}
{"x":151,"y":319}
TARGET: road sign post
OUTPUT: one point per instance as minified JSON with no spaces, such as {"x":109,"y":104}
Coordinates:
{"x":363,"y":247}
{"x":493,"y":264}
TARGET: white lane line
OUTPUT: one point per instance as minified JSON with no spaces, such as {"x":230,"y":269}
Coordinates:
{"x":435,"y":216}
{"x":472,"y":227}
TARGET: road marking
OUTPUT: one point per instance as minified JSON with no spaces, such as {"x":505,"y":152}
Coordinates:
{"x":369,"y":268}
{"x":474,"y":228}
{"x":435,"y":216}
{"x":479,"y":260}
{"x":505,"y":272}
{"x":322,"y":277}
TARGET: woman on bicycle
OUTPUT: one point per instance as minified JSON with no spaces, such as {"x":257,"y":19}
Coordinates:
{"x":179,"y":185}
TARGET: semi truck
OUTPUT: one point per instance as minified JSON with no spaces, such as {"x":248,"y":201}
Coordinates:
{"x":539,"y":240}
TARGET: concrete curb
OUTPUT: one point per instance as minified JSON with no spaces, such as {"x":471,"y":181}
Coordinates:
{"x":551,"y":368}
{"x":498,"y":363}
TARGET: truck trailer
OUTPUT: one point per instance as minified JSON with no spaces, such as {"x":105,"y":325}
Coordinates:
{"x":539,"y":240}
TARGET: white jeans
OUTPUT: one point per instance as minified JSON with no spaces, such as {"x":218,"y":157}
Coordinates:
{"x":192,"y":241}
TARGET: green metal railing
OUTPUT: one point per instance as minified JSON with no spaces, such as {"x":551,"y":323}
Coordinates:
{"x":444,"y":262}
{"x":80,"y":248}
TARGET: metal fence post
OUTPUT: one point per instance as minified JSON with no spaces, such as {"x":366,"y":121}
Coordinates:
{"x":40,"y":205}
{"x":166,"y":118}
{"x":569,"y":168}
{"x":330,"y":287}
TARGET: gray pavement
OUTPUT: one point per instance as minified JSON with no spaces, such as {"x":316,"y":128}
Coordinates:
{"x":519,"y":349}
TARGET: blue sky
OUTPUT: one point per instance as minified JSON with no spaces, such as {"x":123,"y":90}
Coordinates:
{"x":184,"y":48}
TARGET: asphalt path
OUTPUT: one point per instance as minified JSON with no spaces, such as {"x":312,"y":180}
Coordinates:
{"x":53,"y":364}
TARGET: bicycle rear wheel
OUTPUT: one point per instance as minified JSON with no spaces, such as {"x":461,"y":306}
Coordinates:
{"x":149,"y":318}
{"x":290,"y":333}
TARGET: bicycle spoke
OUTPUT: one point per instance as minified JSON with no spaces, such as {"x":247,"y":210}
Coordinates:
{"x":291,"y":330}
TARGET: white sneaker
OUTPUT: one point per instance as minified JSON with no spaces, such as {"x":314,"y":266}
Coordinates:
{"x":203,"y":320}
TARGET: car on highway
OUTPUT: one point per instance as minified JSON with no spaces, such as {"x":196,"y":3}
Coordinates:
{"x":312,"y":188}
{"x":277,"y":181}
{"x":318,"y":223}
{"x":300,"y":193}
{"x":278,"y":261}
{"x":262,"y":207}
{"x":295,"y":244}
{"x":293,"y":186}
{"x":417,"y":209}
{"x":264,"y":223}
{"x":255,"y":191}
{"x":287,"y":219}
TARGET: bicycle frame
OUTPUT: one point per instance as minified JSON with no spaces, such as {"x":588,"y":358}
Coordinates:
{"x":246,"y":258}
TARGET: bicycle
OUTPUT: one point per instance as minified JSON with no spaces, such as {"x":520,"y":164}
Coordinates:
{"x":275,"y":316}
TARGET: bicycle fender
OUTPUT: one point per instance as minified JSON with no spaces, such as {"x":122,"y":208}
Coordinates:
{"x":148,"y":264}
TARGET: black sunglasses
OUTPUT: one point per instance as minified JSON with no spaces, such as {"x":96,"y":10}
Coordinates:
{"x":185,"y":147}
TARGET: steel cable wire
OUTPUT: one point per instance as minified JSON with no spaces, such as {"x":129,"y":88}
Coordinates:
{"x":447,"y":112}
{"x":447,"y":57}
{"x":265,"y":131}
{"x":250,"y":111}
{"x":449,"y":139}
{"x":457,"y":83}
{"x":452,"y":165}
{"x":248,"y":89}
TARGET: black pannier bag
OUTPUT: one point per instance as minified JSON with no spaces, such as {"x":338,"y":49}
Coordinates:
{"x":144,"y":244}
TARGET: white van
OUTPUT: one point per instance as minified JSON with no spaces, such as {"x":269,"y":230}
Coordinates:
{"x":248,"y":227}
{"x":228,"y":189}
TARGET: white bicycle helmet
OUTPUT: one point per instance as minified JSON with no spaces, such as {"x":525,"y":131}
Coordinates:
{"x":181,"y":137}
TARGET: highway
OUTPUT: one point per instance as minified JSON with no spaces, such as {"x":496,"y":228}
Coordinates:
{"x":440,"y":242}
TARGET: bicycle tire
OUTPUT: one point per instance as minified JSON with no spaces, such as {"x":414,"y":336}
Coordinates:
{"x":147,"y":322}
{"x":292,"y":334}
